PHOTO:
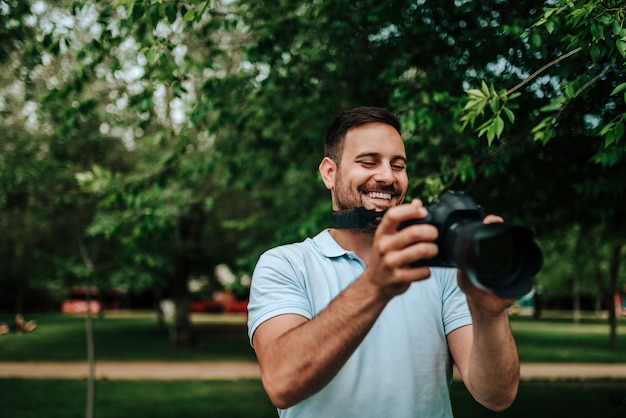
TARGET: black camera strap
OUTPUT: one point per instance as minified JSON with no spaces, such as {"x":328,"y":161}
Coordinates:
{"x":356,"y":218}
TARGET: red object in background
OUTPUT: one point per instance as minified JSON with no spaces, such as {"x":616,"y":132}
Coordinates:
{"x":222,"y":302}
{"x":76,"y":301}
{"x":205,"y":305}
{"x":240,"y":306}
{"x":230,"y":303}
{"x":78,"y":306}
{"x":620,"y":303}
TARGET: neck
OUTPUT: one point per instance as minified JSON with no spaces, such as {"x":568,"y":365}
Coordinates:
{"x":356,"y":240}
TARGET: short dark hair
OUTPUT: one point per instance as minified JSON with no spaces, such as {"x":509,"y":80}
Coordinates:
{"x":348,"y":119}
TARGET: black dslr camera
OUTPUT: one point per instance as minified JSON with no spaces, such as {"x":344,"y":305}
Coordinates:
{"x":498,"y":257}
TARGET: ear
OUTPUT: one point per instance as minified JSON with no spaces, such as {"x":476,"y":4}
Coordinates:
{"x":328,"y":170}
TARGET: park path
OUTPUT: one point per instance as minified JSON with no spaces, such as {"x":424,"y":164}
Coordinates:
{"x":227,"y":370}
{"x":124,"y":370}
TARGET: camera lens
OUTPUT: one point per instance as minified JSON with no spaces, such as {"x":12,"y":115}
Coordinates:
{"x":498,"y":257}
{"x":495,"y":258}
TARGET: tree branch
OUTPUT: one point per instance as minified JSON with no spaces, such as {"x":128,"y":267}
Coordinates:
{"x":542,"y":69}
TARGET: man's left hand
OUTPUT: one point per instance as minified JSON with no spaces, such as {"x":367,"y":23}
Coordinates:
{"x":482,"y":298}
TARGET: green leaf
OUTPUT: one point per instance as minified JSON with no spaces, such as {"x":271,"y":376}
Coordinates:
{"x":509,"y":114}
{"x":619,"y":131}
{"x":154,"y":12}
{"x":536,"y":40}
{"x":129,"y":6}
{"x":492,"y":133}
{"x":171,"y":12}
{"x":474,"y":93}
{"x":619,"y":88}
{"x":551,"y":107}
{"x":499,"y":126}
{"x":485,"y":88}
{"x":189,"y":16}
{"x":138,"y":10}
{"x":617,"y":29}
{"x":595,"y":51}
{"x":495,"y":105}
{"x":476,"y":101}
{"x":597,"y":31}
{"x":547,"y":134}
{"x":621,"y":47}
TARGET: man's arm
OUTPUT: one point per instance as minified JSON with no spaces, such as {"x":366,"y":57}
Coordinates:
{"x":490,"y":369}
{"x":485,"y":352}
{"x":298,"y":357}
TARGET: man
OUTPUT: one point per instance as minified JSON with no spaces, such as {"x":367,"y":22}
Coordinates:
{"x":342,"y":325}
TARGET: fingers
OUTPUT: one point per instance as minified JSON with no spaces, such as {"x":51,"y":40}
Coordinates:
{"x":395,"y":250}
{"x":410,"y":244}
{"x":482,"y":298}
{"x":490,"y":219}
{"x":397,"y":214}
{"x":414,"y":243}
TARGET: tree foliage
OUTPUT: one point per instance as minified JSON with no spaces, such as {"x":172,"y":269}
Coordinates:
{"x":186,"y":134}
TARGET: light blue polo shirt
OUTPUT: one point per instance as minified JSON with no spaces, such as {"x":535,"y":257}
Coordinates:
{"x":402,"y":368}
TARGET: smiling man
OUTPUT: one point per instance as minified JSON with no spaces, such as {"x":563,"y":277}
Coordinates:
{"x":371,"y":161}
{"x":341,"y":323}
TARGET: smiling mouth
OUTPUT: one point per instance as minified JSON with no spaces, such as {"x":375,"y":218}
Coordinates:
{"x":379,"y":195}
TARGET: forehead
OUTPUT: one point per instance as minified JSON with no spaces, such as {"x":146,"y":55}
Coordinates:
{"x":374,"y":138}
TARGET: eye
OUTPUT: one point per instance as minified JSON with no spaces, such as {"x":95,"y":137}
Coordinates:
{"x":398,"y":166}
{"x":367,"y":163}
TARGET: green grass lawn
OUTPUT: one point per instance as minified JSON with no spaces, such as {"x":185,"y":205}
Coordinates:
{"x":245,"y":398}
{"x":537,"y":399}
{"x":137,"y":337}
{"x":561,"y":340}
{"x":141,"y":399}
{"x":126,"y":337}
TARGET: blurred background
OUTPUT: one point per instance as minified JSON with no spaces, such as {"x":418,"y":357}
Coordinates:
{"x":151,"y":151}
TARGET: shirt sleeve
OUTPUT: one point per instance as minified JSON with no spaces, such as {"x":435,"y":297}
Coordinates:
{"x":455,"y":310}
{"x":278,"y":287}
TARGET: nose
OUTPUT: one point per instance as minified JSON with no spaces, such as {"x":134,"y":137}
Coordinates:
{"x":385,"y":174}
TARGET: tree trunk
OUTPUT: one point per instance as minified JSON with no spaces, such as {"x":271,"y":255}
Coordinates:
{"x":189,"y":235}
{"x":613,"y":342}
{"x":90,"y":407}
{"x":20,"y":293}
{"x":576,"y":299}
{"x":89,"y":261}
{"x":181,"y":334}
{"x":157,"y":291}
{"x":614,"y":265}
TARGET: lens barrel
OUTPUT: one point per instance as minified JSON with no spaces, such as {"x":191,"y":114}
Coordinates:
{"x":498,"y":257}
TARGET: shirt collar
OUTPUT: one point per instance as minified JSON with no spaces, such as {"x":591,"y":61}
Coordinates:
{"x":327,"y":245}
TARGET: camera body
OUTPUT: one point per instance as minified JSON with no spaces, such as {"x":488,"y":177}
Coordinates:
{"x":498,"y":257}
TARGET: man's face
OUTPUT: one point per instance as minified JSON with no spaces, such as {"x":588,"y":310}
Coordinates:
{"x":372,"y":171}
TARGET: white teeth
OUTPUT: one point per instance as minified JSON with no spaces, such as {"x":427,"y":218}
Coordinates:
{"x":378,"y":195}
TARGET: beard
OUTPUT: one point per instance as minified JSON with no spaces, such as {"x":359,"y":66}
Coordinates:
{"x":346,"y":199}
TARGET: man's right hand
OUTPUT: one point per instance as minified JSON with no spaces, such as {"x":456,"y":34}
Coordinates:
{"x":393,"y":251}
